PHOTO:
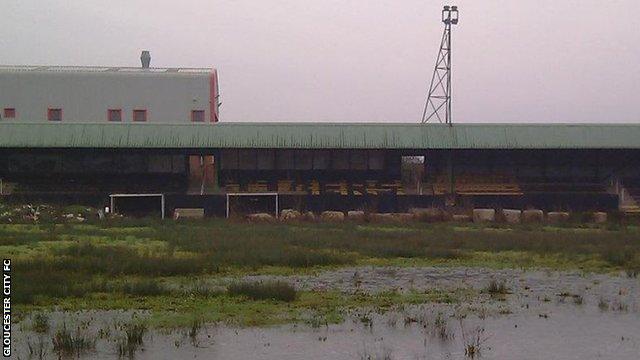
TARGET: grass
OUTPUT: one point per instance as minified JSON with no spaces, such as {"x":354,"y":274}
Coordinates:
{"x":267,"y":290}
{"x":441,"y":328}
{"x":168,"y":311}
{"x":144,"y":287}
{"x":40,"y":323}
{"x":496,"y":288}
{"x":473,"y":341}
{"x":603,"y":305}
{"x":131,"y":340}
{"x":37,"y":349}
{"x":72,"y":344}
{"x":194,"y":330}
{"x":135,"y":264}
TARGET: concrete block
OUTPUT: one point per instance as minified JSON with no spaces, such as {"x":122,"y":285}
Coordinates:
{"x":261,"y":218}
{"x":532,"y":216}
{"x":332,"y":216}
{"x":309,"y":216}
{"x":461,"y":218}
{"x":403,"y":217}
{"x":188,"y":213}
{"x":427,"y":214}
{"x":512,"y":216}
{"x":380,"y":218}
{"x":556,"y":217}
{"x":356,"y":216}
{"x":600,"y":217}
{"x":484,"y":215}
{"x":288,"y":215}
{"x":391,"y":218}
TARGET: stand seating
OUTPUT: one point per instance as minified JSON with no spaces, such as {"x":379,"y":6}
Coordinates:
{"x":467,"y":184}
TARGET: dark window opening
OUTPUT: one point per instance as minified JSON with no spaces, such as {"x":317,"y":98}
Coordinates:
{"x":140,"y":115}
{"x":303,"y":159}
{"x":115,"y":115}
{"x":413,"y":173}
{"x":197,"y":115}
{"x":358,"y":160}
{"x":54,"y":115}
{"x":321,"y":160}
{"x":340,"y":160}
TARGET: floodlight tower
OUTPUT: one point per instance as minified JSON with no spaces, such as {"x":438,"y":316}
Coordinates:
{"x":438,"y":104}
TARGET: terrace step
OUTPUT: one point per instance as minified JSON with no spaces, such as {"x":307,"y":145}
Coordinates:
{"x":630,"y":209}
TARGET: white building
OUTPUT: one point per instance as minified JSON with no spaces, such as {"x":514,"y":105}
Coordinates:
{"x":37,"y":94}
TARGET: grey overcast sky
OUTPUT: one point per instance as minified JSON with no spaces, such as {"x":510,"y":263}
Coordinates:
{"x":357,"y":60}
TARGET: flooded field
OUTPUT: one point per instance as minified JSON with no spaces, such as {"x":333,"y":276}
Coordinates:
{"x":502,"y":314}
{"x":211,"y":289}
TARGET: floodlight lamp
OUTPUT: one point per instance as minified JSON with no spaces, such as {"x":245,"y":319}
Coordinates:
{"x":446,"y":15}
{"x":454,"y":15}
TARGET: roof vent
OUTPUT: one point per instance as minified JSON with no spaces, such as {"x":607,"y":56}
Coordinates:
{"x":145,"y":58}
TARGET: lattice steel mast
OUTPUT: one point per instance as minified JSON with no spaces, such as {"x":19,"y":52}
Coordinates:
{"x":438,"y":104}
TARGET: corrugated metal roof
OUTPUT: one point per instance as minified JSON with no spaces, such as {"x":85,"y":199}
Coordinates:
{"x":321,"y":135}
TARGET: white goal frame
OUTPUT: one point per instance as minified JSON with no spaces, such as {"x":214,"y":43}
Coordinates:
{"x":113,"y":198}
{"x":275,"y":194}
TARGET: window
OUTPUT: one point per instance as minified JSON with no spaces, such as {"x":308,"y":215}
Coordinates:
{"x":114,"y":115}
{"x":197,"y":115}
{"x":9,"y":113}
{"x":54,"y":115}
{"x":140,"y":115}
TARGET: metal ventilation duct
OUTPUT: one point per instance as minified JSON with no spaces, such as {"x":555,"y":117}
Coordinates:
{"x":145,"y":58}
